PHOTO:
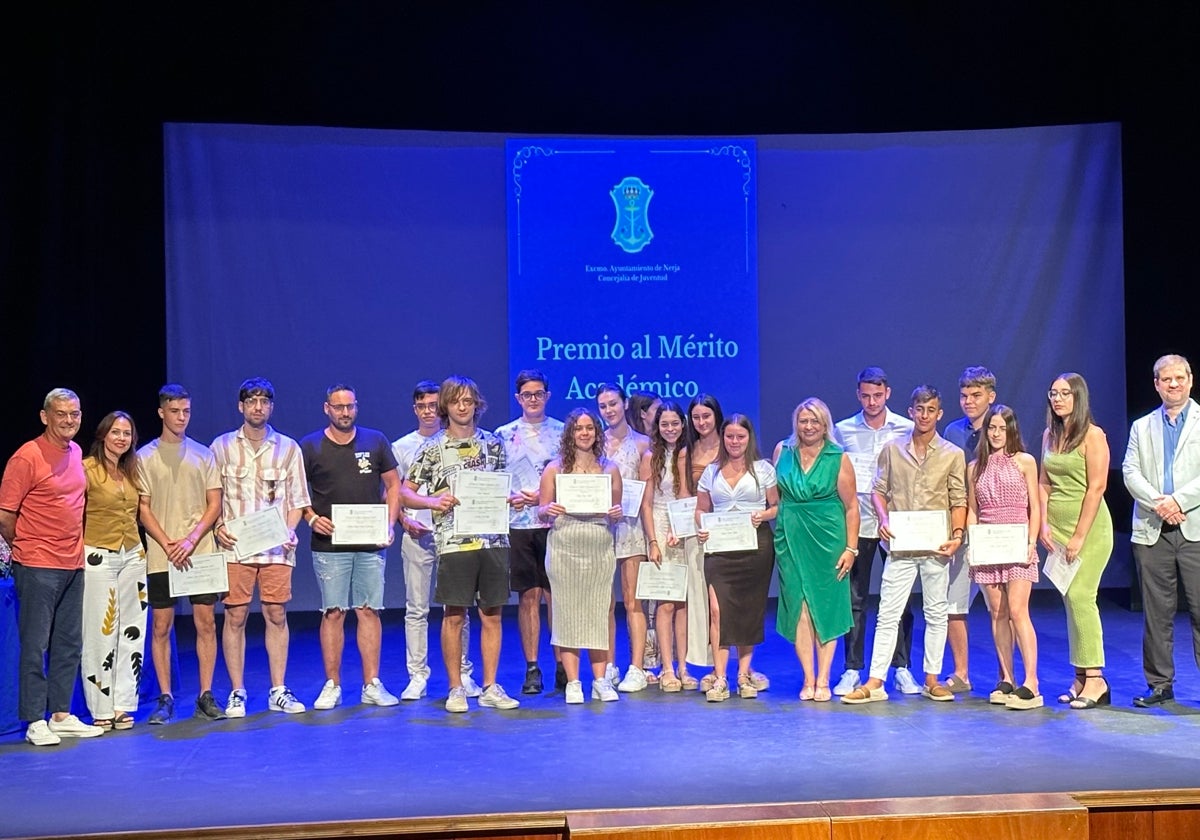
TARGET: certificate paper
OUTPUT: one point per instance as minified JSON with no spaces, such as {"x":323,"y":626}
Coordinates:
{"x":993,"y":545}
{"x":584,"y":493}
{"x":631,"y":497}
{"x":359,"y":524}
{"x":1058,"y":570}
{"x":258,"y":532}
{"x":207,"y":575}
{"x":918,"y":531}
{"x":661,"y":583}
{"x":731,"y":531}
{"x":482,"y":503}
{"x":525,"y":476}
{"x":682,"y":514}
{"x":864,"y":470}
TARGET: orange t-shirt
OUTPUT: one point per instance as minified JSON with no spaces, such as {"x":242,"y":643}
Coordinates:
{"x":46,"y":487}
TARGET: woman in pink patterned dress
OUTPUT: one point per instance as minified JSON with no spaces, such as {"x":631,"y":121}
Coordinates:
{"x":1002,"y":490}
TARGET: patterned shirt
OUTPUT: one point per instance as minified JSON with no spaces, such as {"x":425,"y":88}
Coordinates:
{"x":441,"y":458}
{"x":528,"y":447}
{"x":253,"y":480}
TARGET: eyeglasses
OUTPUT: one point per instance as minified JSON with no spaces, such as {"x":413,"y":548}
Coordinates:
{"x":531,"y":396}
{"x":1054,"y":395}
{"x":338,"y":409}
{"x":425,"y":406}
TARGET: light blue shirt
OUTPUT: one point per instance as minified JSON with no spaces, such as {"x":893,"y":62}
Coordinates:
{"x":1170,"y":444}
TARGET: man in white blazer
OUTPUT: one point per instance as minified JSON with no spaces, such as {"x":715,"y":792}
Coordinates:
{"x":1162,"y":473}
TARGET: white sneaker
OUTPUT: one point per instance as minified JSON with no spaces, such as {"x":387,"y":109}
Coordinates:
{"x":236,"y":707}
{"x":374,"y":694}
{"x":331,"y":695}
{"x":635,"y":680}
{"x":457,"y":700}
{"x":73,"y":727}
{"x":574,"y":692}
{"x":470,"y":686}
{"x":849,"y":681}
{"x":282,"y":700}
{"x":612,"y":673}
{"x":495,"y":697}
{"x":39,"y":733}
{"x":415,"y":689}
{"x":905,"y":683}
{"x":603,"y":690}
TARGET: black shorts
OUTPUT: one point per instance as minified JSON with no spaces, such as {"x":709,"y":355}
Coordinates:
{"x":527,"y":559}
{"x":465,"y":577}
{"x":158,"y":593}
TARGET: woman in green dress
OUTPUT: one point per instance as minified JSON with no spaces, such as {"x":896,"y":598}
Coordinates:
{"x":818,"y":510}
{"x":1075,"y":521}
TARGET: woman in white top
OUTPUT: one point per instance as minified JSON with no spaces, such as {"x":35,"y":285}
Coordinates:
{"x":625,"y":446}
{"x":662,"y":470}
{"x":738,"y":581}
{"x":701,"y":447}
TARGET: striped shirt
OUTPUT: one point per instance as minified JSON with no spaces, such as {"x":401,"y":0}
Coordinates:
{"x":253,"y":480}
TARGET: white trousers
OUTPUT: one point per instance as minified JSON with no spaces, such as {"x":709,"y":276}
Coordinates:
{"x":899,"y":574}
{"x":114,"y":629}
{"x":420,"y":576}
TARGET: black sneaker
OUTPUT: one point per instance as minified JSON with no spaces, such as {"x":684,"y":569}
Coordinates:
{"x":164,"y":711}
{"x":533,"y":680}
{"x":560,"y":677}
{"x":207,"y":708}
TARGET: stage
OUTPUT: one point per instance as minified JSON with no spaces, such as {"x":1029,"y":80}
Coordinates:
{"x":387,"y":771}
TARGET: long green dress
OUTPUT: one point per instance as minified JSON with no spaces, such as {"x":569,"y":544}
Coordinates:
{"x":810,"y":535}
{"x":1067,"y":472}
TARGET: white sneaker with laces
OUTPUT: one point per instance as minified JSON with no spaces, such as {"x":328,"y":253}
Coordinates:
{"x":635,"y":680}
{"x":574,"y":692}
{"x":848,"y":682}
{"x":457,"y":700}
{"x":415,"y":690}
{"x":73,"y":727}
{"x":282,"y":700}
{"x":612,"y":673}
{"x":905,"y":682}
{"x":236,"y":706}
{"x":603,"y":690}
{"x":39,"y":734}
{"x":331,"y":695}
{"x":374,"y":694}
{"x":470,"y":686}
{"x":495,"y":697}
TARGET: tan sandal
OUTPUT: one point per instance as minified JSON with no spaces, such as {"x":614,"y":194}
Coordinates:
{"x":822,"y":694}
{"x":808,"y":692}
{"x":670,"y":683}
{"x":123,"y":720}
{"x":689,"y":682}
{"x":104,"y":723}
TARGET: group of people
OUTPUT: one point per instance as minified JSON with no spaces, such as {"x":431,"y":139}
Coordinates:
{"x":832,"y":497}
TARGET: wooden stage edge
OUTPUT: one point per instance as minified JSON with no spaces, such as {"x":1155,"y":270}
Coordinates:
{"x":1172,"y":814}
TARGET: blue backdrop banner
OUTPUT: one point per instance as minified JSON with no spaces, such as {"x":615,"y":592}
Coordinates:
{"x":635,"y":262}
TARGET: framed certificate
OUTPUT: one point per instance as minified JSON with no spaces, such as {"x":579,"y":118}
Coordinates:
{"x":993,"y":545}
{"x":682,"y":515}
{"x":918,"y":531}
{"x":208,"y":574}
{"x":667,"y":582}
{"x":584,"y":493}
{"x":359,"y":524}
{"x":258,"y":532}
{"x":632,"y":491}
{"x":730,"y":531}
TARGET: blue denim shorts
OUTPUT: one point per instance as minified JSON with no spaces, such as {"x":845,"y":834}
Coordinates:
{"x":349,"y":579}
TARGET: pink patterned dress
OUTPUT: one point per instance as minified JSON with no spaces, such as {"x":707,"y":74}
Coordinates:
{"x":1003,"y":499}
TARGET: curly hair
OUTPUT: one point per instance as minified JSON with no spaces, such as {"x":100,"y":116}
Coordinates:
{"x":658,"y":447}
{"x":566,"y":448}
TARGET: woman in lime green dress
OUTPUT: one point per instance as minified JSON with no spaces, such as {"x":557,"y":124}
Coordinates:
{"x":818,"y":510}
{"x":1072,"y":480}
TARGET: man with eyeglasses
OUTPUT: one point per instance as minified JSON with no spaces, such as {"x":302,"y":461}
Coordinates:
{"x":260,"y":468}
{"x":41,"y":518}
{"x":418,"y":553}
{"x":349,"y":466}
{"x":472,"y":567}
{"x":1162,"y":472}
{"x":530,"y":442}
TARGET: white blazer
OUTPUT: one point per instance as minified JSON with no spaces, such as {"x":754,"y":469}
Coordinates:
{"x":1143,"y":473}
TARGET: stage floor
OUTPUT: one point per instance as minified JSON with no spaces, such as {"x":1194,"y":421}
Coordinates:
{"x":649,"y":749}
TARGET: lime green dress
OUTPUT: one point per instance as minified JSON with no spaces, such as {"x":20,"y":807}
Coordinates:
{"x":810,"y":535}
{"x":1067,"y":473}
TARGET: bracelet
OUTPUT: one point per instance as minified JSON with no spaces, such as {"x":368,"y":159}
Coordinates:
{"x":652,"y":542}
{"x":957,"y":531}
{"x":313,"y":518}
{"x":853,"y":551}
